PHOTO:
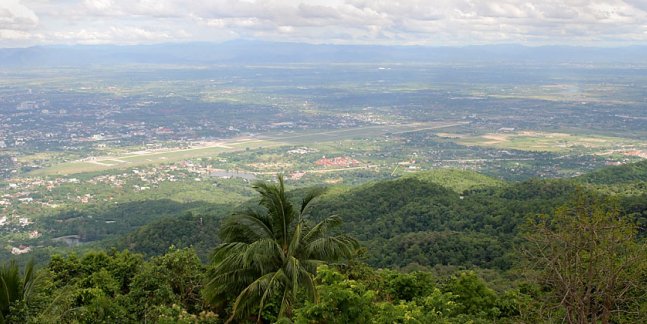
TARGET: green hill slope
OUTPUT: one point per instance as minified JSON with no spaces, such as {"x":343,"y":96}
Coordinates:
{"x":628,"y":179}
{"x":457,"y":180}
{"x":626,"y":173}
{"x":444,"y":217}
{"x":411,"y":221}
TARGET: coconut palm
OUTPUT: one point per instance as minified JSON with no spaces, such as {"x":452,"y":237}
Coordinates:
{"x":13,"y":288}
{"x":272,"y":252}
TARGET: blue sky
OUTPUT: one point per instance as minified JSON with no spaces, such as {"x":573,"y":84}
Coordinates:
{"x":431,"y":22}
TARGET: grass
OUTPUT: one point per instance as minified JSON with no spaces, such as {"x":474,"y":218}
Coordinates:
{"x":42,"y":156}
{"x":542,"y":141}
{"x":148,"y":158}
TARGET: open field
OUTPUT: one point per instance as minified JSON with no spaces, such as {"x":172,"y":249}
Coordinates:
{"x":544,"y":141}
{"x":151,"y":157}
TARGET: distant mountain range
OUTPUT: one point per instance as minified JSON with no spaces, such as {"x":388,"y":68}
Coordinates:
{"x":258,"y":52}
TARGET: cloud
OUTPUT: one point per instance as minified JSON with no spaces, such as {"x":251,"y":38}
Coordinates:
{"x":441,"y":22}
{"x":112,"y":34}
{"x":318,"y":12}
{"x":16,"y":17}
{"x":639,"y":4}
{"x":558,"y":12}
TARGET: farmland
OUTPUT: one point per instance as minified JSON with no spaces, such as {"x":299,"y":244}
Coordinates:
{"x":547,"y":141}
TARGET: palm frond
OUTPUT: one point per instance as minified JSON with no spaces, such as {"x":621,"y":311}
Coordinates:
{"x":226,"y":250}
{"x":268,"y":291}
{"x":223,"y":284}
{"x":292,"y":269}
{"x":10,"y":284}
{"x":296,"y":239}
{"x":311,"y":195}
{"x":311,"y":265}
{"x":272,"y":252}
{"x":246,"y":227}
{"x":332,"y":248}
{"x":30,"y":280}
{"x":15,"y":288}
{"x":285,"y":303}
{"x":322,"y":228}
{"x":253,"y":294}
{"x":306,"y":281}
{"x":262,"y":253}
{"x":279,"y":208}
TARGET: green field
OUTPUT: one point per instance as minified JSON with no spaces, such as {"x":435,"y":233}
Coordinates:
{"x":149,"y":158}
{"x":545,"y":141}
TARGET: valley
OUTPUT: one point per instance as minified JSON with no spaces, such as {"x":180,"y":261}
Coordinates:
{"x":435,"y":170}
{"x":202,"y":134}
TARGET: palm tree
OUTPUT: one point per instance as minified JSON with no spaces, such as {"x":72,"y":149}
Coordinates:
{"x":13,"y":288}
{"x":272,"y":252}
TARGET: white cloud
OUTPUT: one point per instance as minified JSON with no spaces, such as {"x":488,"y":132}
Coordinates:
{"x":98,"y":4}
{"x":640,"y":4}
{"x":16,"y":17}
{"x":436,"y":22}
{"x":112,"y":34}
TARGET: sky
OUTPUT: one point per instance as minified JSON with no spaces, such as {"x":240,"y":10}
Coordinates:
{"x":386,"y":22}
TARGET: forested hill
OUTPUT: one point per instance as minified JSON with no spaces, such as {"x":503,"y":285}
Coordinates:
{"x":442,"y":217}
{"x":627,"y":173}
{"x":458,"y":247}
{"x":628,"y":179}
{"x":412,"y":222}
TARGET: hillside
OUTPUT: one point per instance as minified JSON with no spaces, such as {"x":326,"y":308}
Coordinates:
{"x":443,"y":217}
{"x":627,"y":173}
{"x":628,"y":179}
{"x":457,"y":180}
{"x":450,"y":242}
{"x":409,"y":221}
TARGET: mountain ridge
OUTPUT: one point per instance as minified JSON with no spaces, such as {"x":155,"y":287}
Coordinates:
{"x":257,"y":52}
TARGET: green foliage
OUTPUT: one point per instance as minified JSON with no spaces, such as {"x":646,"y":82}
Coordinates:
{"x":617,"y":174}
{"x":457,"y":180}
{"x":16,"y":291}
{"x":589,"y":260}
{"x":177,"y":315}
{"x":148,"y":291}
{"x":341,"y":300}
{"x":421,"y":220}
{"x":112,"y":287}
{"x":271,"y":264}
{"x":473,"y":296}
{"x":406,"y":286}
{"x":409,"y":221}
{"x":192,"y":229}
{"x":91,"y":289}
{"x":272,"y":252}
{"x":404,"y":312}
{"x":629,"y":179}
{"x":173,"y":278}
{"x":465,"y":298}
{"x":104,"y":222}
